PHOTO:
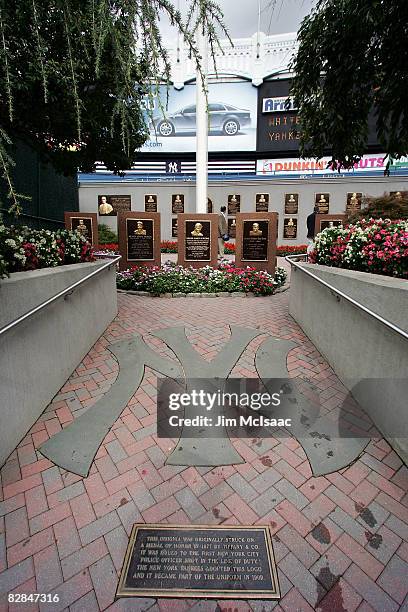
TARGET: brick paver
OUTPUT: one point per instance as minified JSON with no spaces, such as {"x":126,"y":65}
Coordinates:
{"x":341,"y":541}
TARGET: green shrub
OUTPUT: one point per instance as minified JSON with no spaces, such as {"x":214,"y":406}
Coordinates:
{"x":106,"y":235}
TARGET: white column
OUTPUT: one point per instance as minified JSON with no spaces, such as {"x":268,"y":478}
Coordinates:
{"x":202,"y":128}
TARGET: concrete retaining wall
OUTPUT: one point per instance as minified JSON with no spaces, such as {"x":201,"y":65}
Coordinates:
{"x":356,"y":345}
{"x":38,"y":356}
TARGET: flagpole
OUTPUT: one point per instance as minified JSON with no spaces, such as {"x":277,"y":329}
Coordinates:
{"x":201,"y":126}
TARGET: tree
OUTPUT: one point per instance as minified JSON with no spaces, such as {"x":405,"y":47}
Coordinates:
{"x":352,"y":60}
{"x":74,"y":75}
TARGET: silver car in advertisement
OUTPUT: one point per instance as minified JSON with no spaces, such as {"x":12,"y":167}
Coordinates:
{"x":224,"y":119}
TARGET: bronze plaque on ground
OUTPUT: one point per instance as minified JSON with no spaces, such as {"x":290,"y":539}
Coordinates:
{"x":139,"y":239}
{"x":234,"y":204}
{"x":262,"y":202}
{"x":199,"y":561}
{"x":174,"y":228}
{"x":150,"y":201}
{"x":289,"y":228}
{"x":197,"y":239}
{"x":177,"y":203}
{"x":232,"y":227}
{"x":111,"y":205}
{"x":84,"y":223}
{"x":255,"y":243}
{"x":322,"y":200}
{"x":291,"y":203}
{"x":324,"y":221}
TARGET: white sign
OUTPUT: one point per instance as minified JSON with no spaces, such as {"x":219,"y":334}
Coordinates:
{"x":296,"y":166}
{"x":278,"y":105}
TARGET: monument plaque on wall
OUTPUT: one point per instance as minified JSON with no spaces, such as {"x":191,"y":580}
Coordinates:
{"x":197,"y":240}
{"x":354,"y":201}
{"x":255,"y":242}
{"x":289,"y":229}
{"x":139,"y":239}
{"x":174,"y":228}
{"x":177,"y":203}
{"x":198,"y":561}
{"x":234,"y":204}
{"x":323,"y":201}
{"x":324,"y":221}
{"x":84,"y":223}
{"x":112,"y":205}
{"x":399,"y":195}
{"x":150,"y":201}
{"x":232,"y":227}
{"x":291,"y":203}
{"x":262,"y":202}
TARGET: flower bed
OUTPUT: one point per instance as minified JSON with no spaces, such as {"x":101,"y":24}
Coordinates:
{"x":379,"y":246}
{"x":297,"y":249}
{"x":23,"y":248}
{"x":170,"y":246}
{"x":170,"y":278}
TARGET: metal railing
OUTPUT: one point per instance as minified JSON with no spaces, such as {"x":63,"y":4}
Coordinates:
{"x":339,"y":294}
{"x":64,"y":293}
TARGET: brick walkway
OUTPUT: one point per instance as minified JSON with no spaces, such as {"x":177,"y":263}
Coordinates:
{"x":341,"y":541}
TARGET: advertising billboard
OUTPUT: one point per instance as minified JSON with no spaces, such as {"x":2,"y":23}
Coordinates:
{"x":279,"y":127}
{"x":232,"y":110}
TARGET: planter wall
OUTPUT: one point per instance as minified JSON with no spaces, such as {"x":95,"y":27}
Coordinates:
{"x":356,"y":345}
{"x":38,"y":356}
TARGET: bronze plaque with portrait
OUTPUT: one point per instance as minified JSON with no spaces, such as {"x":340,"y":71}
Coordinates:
{"x":322,"y":200}
{"x":197,"y":240}
{"x":111,"y":205}
{"x":150,"y":202}
{"x":177,"y":203}
{"x":174,"y":228}
{"x":398,"y":195}
{"x":234,"y":204}
{"x":291,"y":203}
{"x":140,"y":234}
{"x":289,"y":228}
{"x":255,"y":240}
{"x":83,"y":226}
{"x":325,"y":223}
{"x":84,"y":223}
{"x":209,"y":205}
{"x":232,"y":227}
{"x":354,"y":201}
{"x":262,"y":202}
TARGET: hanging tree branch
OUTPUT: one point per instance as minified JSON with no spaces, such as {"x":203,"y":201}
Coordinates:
{"x":79,"y":97}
